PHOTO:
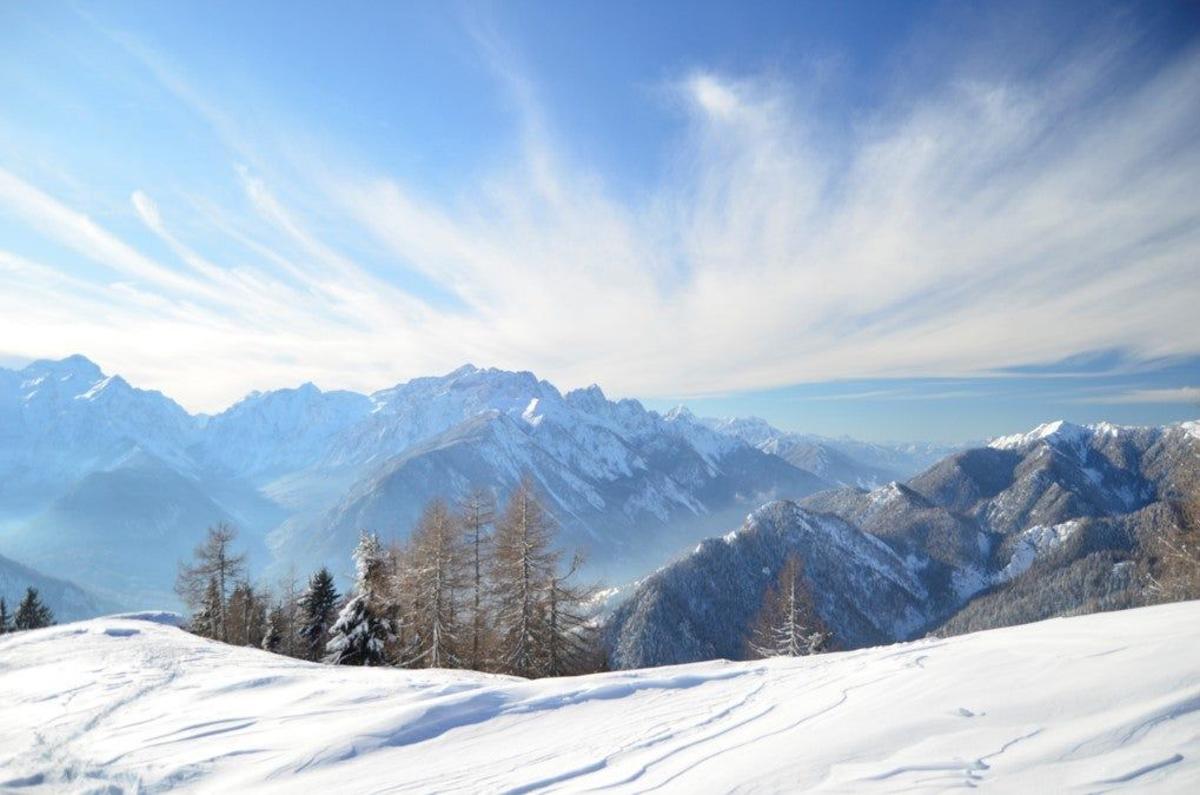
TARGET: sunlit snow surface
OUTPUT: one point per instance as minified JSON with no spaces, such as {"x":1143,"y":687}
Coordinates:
{"x":1084,"y":704}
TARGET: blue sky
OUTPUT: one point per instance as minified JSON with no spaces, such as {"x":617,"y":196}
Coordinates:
{"x":889,"y":220}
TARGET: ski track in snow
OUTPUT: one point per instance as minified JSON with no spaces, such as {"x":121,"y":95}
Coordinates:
{"x":1090,"y":704}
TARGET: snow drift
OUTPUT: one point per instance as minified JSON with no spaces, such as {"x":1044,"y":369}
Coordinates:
{"x":1092,"y":703}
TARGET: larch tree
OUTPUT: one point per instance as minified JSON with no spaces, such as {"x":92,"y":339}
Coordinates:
{"x":246,"y":615}
{"x":287,"y":621}
{"x":787,"y":625}
{"x":214,"y":560}
{"x":31,"y":612}
{"x":318,"y":609}
{"x":521,"y":573}
{"x":572,"y":645}
{"x":362,"y":631}
{"x":404,"y":606}
{"x":477,"y":513}
{"x":436,"y":559}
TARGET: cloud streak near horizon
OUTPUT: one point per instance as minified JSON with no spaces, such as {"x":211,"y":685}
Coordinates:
{"x":990,"y":219}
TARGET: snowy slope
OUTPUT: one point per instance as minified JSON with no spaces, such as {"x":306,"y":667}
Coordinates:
{"x":1098,"y":703}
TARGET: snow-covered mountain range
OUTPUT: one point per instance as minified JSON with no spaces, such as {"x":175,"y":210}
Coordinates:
{"x":1060,"y":519}
{"x":1088,"y":704}
{"x":842,"y":461}
{"x":109,"y":485}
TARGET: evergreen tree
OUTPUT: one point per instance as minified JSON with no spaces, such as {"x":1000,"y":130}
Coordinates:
{"x":522,"y":568}
{"x":362,"y":631}
{"x":436,"y":563}
{"x":318,"y":610}
{"x":31,"y":613}
{"x":276,"y":626}
{"x":788,"y":625}
{"x":214,"y":560}
{"x":206,"y":618}
{"x":477,"y":516}
{"x":4,"y":619}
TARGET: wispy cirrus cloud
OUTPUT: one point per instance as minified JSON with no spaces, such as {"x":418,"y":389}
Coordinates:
{"x":987,"y":220}
{"x":1175,"y":395}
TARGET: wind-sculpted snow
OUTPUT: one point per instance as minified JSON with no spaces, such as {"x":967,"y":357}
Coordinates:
{"x":1090,"y":704}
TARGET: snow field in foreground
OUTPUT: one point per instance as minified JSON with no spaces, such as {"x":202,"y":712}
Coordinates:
{"x":1094,"y":703}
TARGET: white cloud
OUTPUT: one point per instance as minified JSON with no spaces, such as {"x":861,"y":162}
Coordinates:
{"x":988,"y":222}
{"x":1185,"y":394}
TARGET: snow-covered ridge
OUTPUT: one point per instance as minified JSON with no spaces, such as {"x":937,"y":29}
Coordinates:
{"x":1061,"y":432}
{"x":1092,"y":703}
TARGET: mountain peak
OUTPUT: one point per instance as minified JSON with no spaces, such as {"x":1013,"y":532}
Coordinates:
{"x":106,"y":385}
{"x":1050,"y":432}
{"x":680,"y":412}
{"x":76,"y":365}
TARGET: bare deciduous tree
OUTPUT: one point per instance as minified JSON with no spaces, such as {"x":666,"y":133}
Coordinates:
{"x":788,"y":625}
{"x":478,"y":512}
{"x":217,"y":566}
{"x":523,"y":563}
{"x":436,"y":563}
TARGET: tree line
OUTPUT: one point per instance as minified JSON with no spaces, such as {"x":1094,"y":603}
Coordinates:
{"x":31,"y":613}
{"x":471,"y":588}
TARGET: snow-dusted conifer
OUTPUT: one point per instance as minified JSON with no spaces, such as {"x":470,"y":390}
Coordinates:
{"x":4,"y":618}
{"x":273,"y":640}
{"x":32,"y":613}
{"x":362,"y":630}
{"x":206,"y":618}
{"x":318,"y":611}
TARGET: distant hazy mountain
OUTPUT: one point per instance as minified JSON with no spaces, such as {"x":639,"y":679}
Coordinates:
{"x":1055,"y":521}
{"x":110,"y":485}
{"x":845,"y":462}
{"x":68,"y":601}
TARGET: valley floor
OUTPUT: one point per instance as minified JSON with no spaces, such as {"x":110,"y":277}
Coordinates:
{"x":1088,"y":704}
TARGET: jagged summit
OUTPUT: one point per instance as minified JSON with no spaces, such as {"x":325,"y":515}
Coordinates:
{"x":1060,"y":432}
